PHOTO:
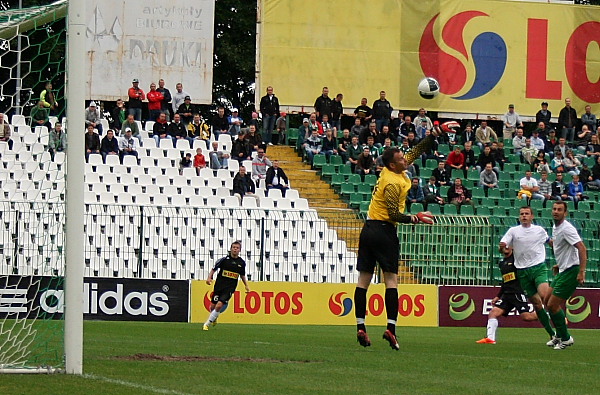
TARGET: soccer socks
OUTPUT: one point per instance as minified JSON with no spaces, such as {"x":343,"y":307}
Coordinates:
{"x":492,"y":325}
{"x":560,"y":324}
{"x":212,"y":317}
{"x":545,"y":321}
{"x":391,"y":308}
{"x":360,"y":307}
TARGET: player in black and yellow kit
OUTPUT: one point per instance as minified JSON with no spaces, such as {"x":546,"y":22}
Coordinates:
{"x":231,"y":268}
{"x":510,"y":296}
{"x":378,"y":241}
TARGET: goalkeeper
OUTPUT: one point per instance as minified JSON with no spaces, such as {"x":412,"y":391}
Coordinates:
{"x":378,"y":242}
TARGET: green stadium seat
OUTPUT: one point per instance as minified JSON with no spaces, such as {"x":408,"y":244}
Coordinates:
{"x":337,"y":180}
{"x":355,"y":200}
{"x":347,"y":189}
{"x":580,"y":215}
{"x":292,"y":136}
{"x":466,"y":274}
{"x":478,"y":193}
{"x":364,"y":207}
{"x":370,"y":179}
{"x":416,"y":208}
{"x":354,"y":179}
{"x":494,"y":193}
{"x":467,"y":210}
{"x":327,"y":171}
{"x":536,"y":204}
{"x":365,"y":188}
{"x":483,"y":210}
{"x":443,"y":149}
{"x":345,"y":170}
{"x":448,"y":275}
{"x":584,"y":206}
{"x":335,"y":160}
{"x":319,"y":161}
{"x":444,"y":191}
{"x":476,"y":150}
{"x":450,"y":209}
{"x":431,"y":164}
{"x":434,"y":208}
{"x":430,"y":274}
{"x":425,"y":174}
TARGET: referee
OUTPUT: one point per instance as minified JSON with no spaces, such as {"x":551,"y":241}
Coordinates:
{"x":230,"y":269}
{"x":378,"y":241}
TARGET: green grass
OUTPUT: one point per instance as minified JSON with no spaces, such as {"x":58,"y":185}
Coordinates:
{"x":273,"y":359}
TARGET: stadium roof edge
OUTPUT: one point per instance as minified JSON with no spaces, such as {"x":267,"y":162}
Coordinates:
{"x":24,"y":19}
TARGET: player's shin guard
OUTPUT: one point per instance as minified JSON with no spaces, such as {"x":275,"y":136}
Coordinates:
{"x":391,"y":308}
{"x":560,"y":324}
{"x":360,"y":307}
{"x":545,"y":321}
{"x":492,"y":325}
{"x":212,"y":317}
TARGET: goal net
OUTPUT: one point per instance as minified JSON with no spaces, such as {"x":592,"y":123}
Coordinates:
{"x":32,"y":179}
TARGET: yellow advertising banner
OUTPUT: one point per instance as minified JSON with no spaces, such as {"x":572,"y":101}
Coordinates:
{"x":316,"y":304}
{"x":485,"y":54}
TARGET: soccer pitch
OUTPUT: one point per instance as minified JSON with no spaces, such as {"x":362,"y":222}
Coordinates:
{"x":165,"y":358}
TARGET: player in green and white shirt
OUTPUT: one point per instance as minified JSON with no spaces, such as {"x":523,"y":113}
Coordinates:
{"x":571,"y":259}
{"x":527,"y":241}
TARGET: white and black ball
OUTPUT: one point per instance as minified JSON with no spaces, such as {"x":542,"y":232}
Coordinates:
{"x":429,"y":88}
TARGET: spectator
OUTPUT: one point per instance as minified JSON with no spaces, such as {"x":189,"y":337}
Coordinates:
{"x":281,"y":126}
{"x":57,"y":141}
{"x":365,"y":163}
{"x":529,"y":188}
{"x":313,"y":124}
{"x":92,"y":142}
{"x":511,"y":120}
{"x":421,"y":128}
{"x":259,"y":166}
{"x":198,"y":130}
{"x":551,"y":143}
{"x":588,"y":119}
{"x":254,"y":120}
{"x":431,"y":152}
{"x":136,"y":95}
{"x":584,"y":138}
{"x":560,"y":191}
{"x":488,"y":178}
{"x":325,"y":124}
{"x":373,"y":150}
{"x":386,"y":144}
{"x":255,"y":140}
{"x":486,"y":157}
{"x":166,"y":101}
{"x":312,"y":146}
{"x":541,"y":164}
{"x":529,"y":153}
{"x":178,"y":131}
{"x":323,"y":104}
{"x":5,"y":131}
{"x":243,"y":186}
{"x":484,"y":135}
{"x":155,"y":99}
{"x":441,"y":174}
{"x":109,"y":145}
{"x":412,"y":139}
{"x":357,"y":129}
{"x":343,"y":145}
{"x":304,"y":132}
{"x":544,"y":115}
{"x":432,"y":193}
{"x":384,"y":134}
{"x":459,"y":196}
{"x":220,"y":123}
{"x":186,"y":162}
{"x":337,"y":109}
{"x":363,"y":113}
{"x":218,"y":159}
{"x":422,"y":116}
{"x":406,"y":128}
{"x":269,"y":108}
{"x":518,"y":142}
{"x":469,"y":154}
{"x":187,"y":110}
{"x":567,"y":120}
{"x":118,"y":115}
{"x":537,"y":141}
{"x":48,"y":98}
{"x":382,"y":111}
{"x":130,"y":123}
{"x":329,"y":144}
{"x":557,"y":164}
{"x":576,"y":191}
{"x":415,"y":193}
{"x":92,"y":117}
{"x":128,"y":145}
{"x":199,"y":160}
{"x":468,"y":135}
{"x":543,"y":130}
{"x":159,"y":129}
{"x":594,"y":183}
{"x":235,"y":123}
{"x":571,"y":163}
{"x":545,"y":187}
{"x":276,"y":178}
{"x":370,"y":131}
{"x":40,"y":116}
{"x":354,"y":151}
{"x":456,"y":160}
{"x":562,"y":147}
{"x":585,"y":175}
{"x":178,"y":97}
{"x":593,"y":149}
{"x":497,"y":151}
{"x":240,"y":150}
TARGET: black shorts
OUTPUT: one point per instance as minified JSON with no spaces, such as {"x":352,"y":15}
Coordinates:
{"x":378,"y":243}
{"x":222,"y":295}
{"x":510,"y":301}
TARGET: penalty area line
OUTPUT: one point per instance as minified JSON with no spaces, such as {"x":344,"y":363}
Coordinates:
{"x":130,"y":384}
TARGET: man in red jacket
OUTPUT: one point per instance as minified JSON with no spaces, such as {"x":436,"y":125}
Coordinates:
{"x":155,"y":99}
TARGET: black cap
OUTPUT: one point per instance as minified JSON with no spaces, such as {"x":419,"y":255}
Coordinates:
{"x":187,"y":98}
{"x":544,"y":103}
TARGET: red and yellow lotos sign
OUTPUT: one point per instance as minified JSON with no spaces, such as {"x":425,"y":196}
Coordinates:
{"x":316,"y":304}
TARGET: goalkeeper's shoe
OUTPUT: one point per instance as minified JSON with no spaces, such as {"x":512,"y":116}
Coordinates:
{"x":204,"y":327}
{"x":214,"y":323}
{"x":391,"y":338}
{"x":486,"y":340}
{"x":554,"y":340}
{"x":363,"y":338}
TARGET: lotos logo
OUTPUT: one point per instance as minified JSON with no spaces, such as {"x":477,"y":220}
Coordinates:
{"x":576,"y":312}
{"x":461,"y":306}
{"x":488,"y":54}
{"x":338,"y":306}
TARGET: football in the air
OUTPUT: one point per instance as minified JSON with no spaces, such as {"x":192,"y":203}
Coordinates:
{"x":429,"y":88}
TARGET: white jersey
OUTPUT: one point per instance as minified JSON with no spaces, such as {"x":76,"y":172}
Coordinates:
{"x":564,"y":238}
{"x":528,"y":245}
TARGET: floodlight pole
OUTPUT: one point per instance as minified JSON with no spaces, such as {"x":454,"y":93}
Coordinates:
{"x":76,"y":61}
